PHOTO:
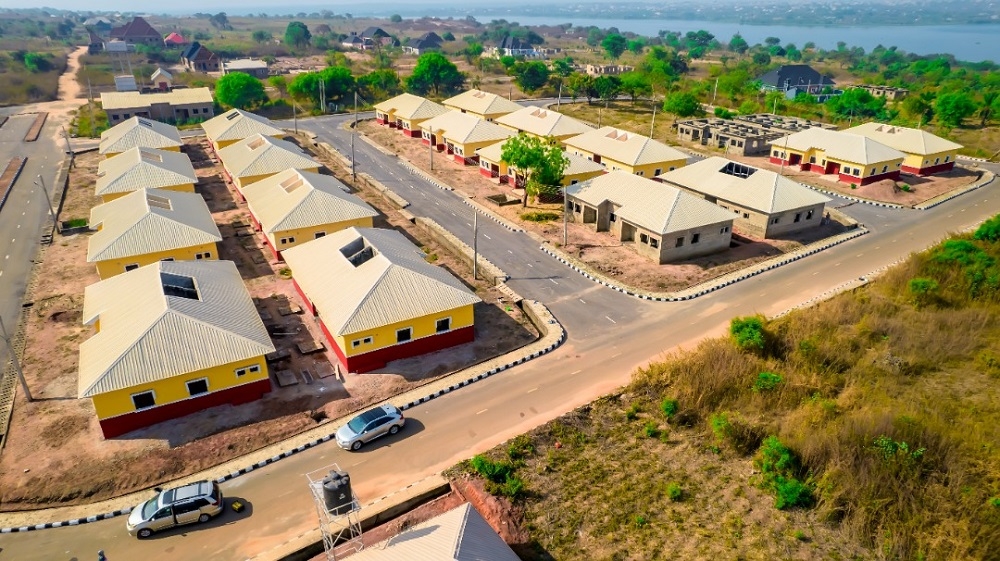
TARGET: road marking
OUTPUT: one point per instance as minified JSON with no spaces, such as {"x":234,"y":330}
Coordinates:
{"x":19,"y":226}
{"x":487,"y":237}
{"x":470,"y":225}
{"x":814,"y":274}
{"x":581,"y":301}
{"x":437,"y":203}
{"x":575,"y":373}
{"x":859,"y":255}
{"x":530,"y":265}
{"x":1,"y":273}
{"x":6,"y":257}
{"x":481,"y":412}
{"x":553,"y":281}
{"x":455,"y":215}
{"x":616,"y":355}
{"x":534,"y":389}
{"x":609,"y":319}
{"x":412,"y":187}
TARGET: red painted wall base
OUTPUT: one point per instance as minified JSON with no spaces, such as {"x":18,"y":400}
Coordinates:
{"x":776,"y":161}
{"x":929,"y":170}
{"x":378,"y":359}
{"x":117,"y":426}
{"x":412,"y":134}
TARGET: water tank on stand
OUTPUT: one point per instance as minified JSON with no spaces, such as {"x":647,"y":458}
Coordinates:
{"x":337,"y":495}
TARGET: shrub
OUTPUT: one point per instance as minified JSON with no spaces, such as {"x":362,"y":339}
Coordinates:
{"x":922,"y":290}
{"x":905,"y":188}
{"x":669,"y":407}
{"x":520,"y":448}
{"x":766,"y":381}
{"x":891,"y":451}
{"x":539,"y":216}
{"x":989,"y":231}
{"x":720,"y":425}
{"x":779,"y":468}
{"x":632,"y":412}
{"x":76,"y":223}
{"x":674,"y":492}
{"x":640,"y":521}
{"x":285,"y":273}
{"x":748,"y":333}
{"x":651,"y":430}
{"x":497,"y":472}
{"x":790,"y":493}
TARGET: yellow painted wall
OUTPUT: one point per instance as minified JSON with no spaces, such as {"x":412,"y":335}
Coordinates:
{"x":223,"y":143}
{"x":111,"y":267}
{"x":173,"y":389}
{"x":303,"y":235}
{"x":869,"y":170}
{"x":469,"y":150}
{"x":168,"y":148}
{"x":184,"y":188}
{"x":648,"y":170}
{"x":414,"y":124}
{"x":923,"y":161}
{"x":422,"y":327}
{"x":501,"y":165}
{"x":568,"y":179}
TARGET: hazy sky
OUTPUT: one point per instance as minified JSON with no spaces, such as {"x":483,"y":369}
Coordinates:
{"x":237,"y":6}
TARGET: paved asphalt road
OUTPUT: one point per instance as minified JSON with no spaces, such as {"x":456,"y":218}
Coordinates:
{"x":609,"y":335}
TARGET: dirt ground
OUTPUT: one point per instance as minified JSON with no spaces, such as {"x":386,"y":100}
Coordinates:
{"x":55,"y":453}
{"x":618,"y":260}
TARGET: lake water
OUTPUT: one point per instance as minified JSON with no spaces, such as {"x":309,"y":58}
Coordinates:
{"x":967,"y":42}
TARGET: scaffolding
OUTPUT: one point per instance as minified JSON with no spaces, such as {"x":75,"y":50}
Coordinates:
{"x":339,"y":526}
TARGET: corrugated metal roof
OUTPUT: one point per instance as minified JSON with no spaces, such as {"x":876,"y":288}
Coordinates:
{"x":409,"y":106}
{"x":905,"y":139}
{"x":300,"y":199}
{"x":543,"y":122}
{"x":147,"y":221}
{"x":396,"y":284}
{"x":129,"y":100}
{"x":655,"y":206}
{"x":237,"y":124}
{"x":463,"y":128}
{"x":461,"y":534}
{"x":626,"y":147}
{"x":261,"y":155}
{"x":483,"y":103}
{"x":148,"y":336}
{"x":139,"y":131}
{"x":763,"y":190}
{"x":143,"y":168}
{"x":840,"y":145}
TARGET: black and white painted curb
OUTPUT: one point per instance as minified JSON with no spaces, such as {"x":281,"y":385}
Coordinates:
{"x":243,"y":471}
{"x":707,"y":289}
{"x":931,"y":204}
{"x":492,"y":216}
{"x":6,"y":193}
{"x":970,"y":158}
{"x":853,"y":198}
{"x":419,"y":172}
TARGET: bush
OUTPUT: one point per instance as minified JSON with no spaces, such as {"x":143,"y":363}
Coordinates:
{"x":766,"y":381}
{"x":674,"y":492}
{"x":520,"y":448}
{"x":539,"y":216}
{"x":640,"y":521}
{"x":651,"y":430}
{"x":500,"y":477}
{"x":790,"y":493}
{"x":989,"y":231}
{"x":779,"y":468}
{"x":748,"y":333}
{"x":922,"y":290}
{"x":632,"y":412}
{"x":669,"y":407}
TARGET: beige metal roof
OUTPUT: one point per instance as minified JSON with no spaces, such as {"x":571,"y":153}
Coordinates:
{"x":245,"y":64}
{"x":139,"y":131}
{"x":905,"y":139}
{"x":300,"y":199}
{"x":147,"y":335}
{"x":626,"y":147}
{"x":261,"y":155}
{"x":655,"y":206}
{"x":150,"y":220}
{"x":483,"y":103}
{"x":461,"y":534}
{"x":143,"y":168}
{"x":840,"y":145}
{"x":762,"y":190}
{"x":409,"y":106}
{"x":543,"y":122}
{"x":395,"y":284}
{"x":130,"y":100}
{"x":237,"y":124}
{"x":463,"y":128}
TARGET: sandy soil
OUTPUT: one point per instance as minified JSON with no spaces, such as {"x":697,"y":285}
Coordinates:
{"x":55,"y":454}
{"x":599,"y":250}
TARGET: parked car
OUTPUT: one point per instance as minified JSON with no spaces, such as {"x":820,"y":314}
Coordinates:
{"x":368,"y":426}
{"x":195,"y":502}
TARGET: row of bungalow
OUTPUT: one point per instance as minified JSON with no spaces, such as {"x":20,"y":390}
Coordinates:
{"x":176,"y":330}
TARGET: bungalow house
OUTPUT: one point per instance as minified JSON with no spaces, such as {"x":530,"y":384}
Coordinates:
{"x":253,"y":66}
{"x":172,"y":338}
{"x":426,"y":43}
{"x":491,"y":165}
{"x":355,"y":41}
{"x":799,"y":76}
{"x":926,"y":154}
{"x":95,"y":43}
{"x":174,"y":39}
{"x":144,"y":133}
{"x":406,"y":111}
{"x":293,"y":207}
{"x":162,"y":80}
{"x":178,"y":105}
{"x":137,"y":32}
{"x":607,"y":69}
{"x":482,"y":104}
{"x":235,"y":125}
{"x":616,"y":149}
{"x":461,"y":134}
{"x":198,"y":58}
{"x":390,"y":303}
{"x":144,"y":168}
{"x":258,"y":157}
{"x":853,"y":158}
{"x":661,"y":222}
{"x":765,"y":204}
{"x":100,"y":24}
{"x":512,"y":46}
{"x":889,"y":92}
{"x":543,"y":123}
{"x":151,"y":225}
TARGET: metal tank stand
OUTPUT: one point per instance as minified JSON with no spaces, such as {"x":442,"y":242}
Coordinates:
{"x":340,"y":527}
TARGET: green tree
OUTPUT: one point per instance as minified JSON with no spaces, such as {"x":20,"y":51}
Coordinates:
{"x":614,"y":45}
{"x":594,"y":36}
{"x":540,"y":161}
{"x":297,"y":34}
{"x":581,"y":84}
{"x":682,"y":104}
{"x":530,"y":76}
{"x":607,"y":88}
{"x":337,"y":81}
{"x":563,"y":66}
{"x":279,"y":83}
{"x":448,"y":36}
{"x":379,"y":84}
{"x":396,"y":18}
{"x":952,"y":108}
{"x":434,"y":73}
{"x":738,"y":44}
{"x":991,"y":100}
{"x":635,"y":46}
{"x":772,"y":41}
{"x":857,"y":103}
{"x":761,"y":58}
{"x":636,"y":84}
{"x":261,"y":36}
{"x":920,"y":106}
{"x":239,"y":90}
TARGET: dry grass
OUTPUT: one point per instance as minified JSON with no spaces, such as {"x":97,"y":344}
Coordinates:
{"x":18,"y":86}
{"x":891,"y":407}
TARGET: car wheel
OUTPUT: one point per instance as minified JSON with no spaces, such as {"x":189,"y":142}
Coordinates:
{"x":357,"y":445}
{"x":204,"y":518}
{"x":145,"y":533}
{"x":394,"y":429}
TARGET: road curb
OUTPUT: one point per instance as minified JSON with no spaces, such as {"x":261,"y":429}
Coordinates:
{"x":853,"y":198}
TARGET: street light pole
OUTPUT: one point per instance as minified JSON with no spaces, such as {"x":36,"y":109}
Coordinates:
{"x":566,"y":207}
{"x":41,"y":183}
{"x":354,"y":132}
{"x":295,"y":118}
{"x":430,"y":142}
{"x":15,"y":362}
{"x":475,"y":245}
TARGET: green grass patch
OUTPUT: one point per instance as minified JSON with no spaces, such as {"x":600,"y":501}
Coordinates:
{"x":541,"y":216}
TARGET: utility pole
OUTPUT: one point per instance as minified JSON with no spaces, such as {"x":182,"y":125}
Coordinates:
{"x":41,"y":183}
{"x":322,"y":95}
{"x":715,"y":92}
{"x":430,"y":142}
{"x":566,"y":209}
{"x":295,"y":118}
{"x":14,"y":361}
{"x":600,"y":112}
{"x":475,"y":244}
{"x":652,"y":121}
{"x":559,"y":98}
{"x":510,"y":91}
{"x":354,"y":132}
{"x":784,"y":156}
{"x":69,"y":149}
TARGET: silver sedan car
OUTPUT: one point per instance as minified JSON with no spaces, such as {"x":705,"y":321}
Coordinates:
{"x":368,"y":426}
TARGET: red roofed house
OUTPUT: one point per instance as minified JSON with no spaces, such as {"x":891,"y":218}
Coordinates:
{"x":137,"y":32}
{"x":174,"y":40}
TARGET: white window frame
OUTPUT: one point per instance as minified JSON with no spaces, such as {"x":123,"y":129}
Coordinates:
{"x":368,"y":340}
{"x":133,"y":266}
{"x":245,"y":370}
{"x":318,"y":235}
{"x":436,"y":330}
{"x":253,"y":369}
{"x":137,"y":408}
{"x":410,"y":338}
{"x":187,"y":384}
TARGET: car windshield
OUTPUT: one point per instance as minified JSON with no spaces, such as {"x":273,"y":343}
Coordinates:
{"x":357,"y":424}
{"x":149,"y":508}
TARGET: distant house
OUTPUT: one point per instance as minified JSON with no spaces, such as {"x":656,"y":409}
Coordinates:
{"x":175,"y":106}
{"x":799,"y":76}
{"x":375,"y":33}
{"x":144,"y":168}
{"x":661,"y":222}
{"x":235,"y":125}
{"x":926,"y":154}
{"x":355,"y":41}
{"x":607,"y":69}
{"x":198,"y":58}
{"x":853,"y":158}
{"x":461,"y":134}
{"x":100,"y":24}
{"x":253,"y":66}
{"x":491,"y":165}
{"x":485,"y":105}
{"x":512,"y":46}
{"x":174,"y":40}
{"x":424,"y":44}
{"x":406,"y":111}
{"x":889,"y":92}
{"x":94,"y":42}
{"x":616,"y":149}
{"x":137,"y":32}
{"x":139,"y":132}
{"x":764,"y":203}
{"x":162,"y":80}
{"x":258,"y":157}
{"x":322,"y":29}
{"x":543,"y":123}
